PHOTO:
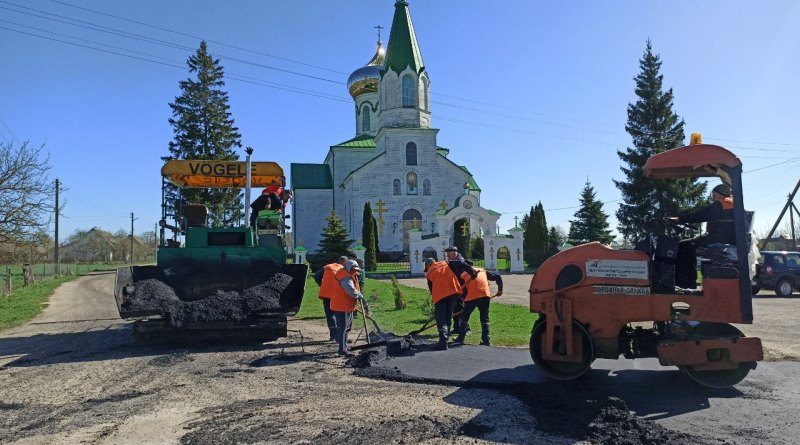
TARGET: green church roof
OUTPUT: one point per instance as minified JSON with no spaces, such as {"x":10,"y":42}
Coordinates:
{"x":360,"y":141}
{"x":403,"y":50}
{"x":311,"y":176}
{"x":473,"y":186}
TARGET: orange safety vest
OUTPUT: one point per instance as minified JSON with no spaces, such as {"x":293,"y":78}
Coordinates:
{"x":330,"y":280}
{"x":477,"y":287}
{"x":340,"y":301}
{"x":444,"y":281}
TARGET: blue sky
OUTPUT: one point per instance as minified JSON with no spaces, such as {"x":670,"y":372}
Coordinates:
{"x":531,"y":96}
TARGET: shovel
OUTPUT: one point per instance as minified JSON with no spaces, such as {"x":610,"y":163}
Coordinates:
{"x":366,"y":328}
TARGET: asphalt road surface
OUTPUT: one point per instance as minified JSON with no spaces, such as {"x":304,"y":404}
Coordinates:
{"x":75,"y":375}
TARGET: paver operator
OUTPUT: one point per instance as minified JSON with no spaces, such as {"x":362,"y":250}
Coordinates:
{"x":341,"y":283}
{"x":478,"y":295}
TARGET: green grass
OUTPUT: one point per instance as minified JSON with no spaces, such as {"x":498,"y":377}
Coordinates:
{"x":25,"y":303}
{"x":511,"y":325}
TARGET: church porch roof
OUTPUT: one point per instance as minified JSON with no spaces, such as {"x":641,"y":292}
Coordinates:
{"x":311,"y":176}
{"x":360,"y":141}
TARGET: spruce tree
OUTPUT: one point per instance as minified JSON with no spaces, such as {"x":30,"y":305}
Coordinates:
{"x":554,"y":239}
{"x":335,"y":241}
{"x":203,"y":129}
{"x":590,"y":223}
{"x":528,"y":225}
{"x":368,"y":236}
{"x":539,"y":233}
{"x":654,"y":128}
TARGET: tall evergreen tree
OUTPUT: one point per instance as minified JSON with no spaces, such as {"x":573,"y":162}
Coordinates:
{"x":591,"y":222}
{"x":377,"y":240}
{"x":554,"y":239}
{"x":368,"y":236}
{"x":654,"y":128}
{"x":335,"y":241}
{"x":528,"y":226}
{"x":539,"y":231}
{"x":203,"y":129}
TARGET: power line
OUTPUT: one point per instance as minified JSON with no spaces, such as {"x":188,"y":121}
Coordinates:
{"x":216,"y":42}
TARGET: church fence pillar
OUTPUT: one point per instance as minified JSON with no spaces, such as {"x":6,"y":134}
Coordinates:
{"x":300,"y":255}
{"x":517,"y":259}
{"x":415,"y":249}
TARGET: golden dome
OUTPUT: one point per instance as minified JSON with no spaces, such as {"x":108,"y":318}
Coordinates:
{"x":366,"y":78}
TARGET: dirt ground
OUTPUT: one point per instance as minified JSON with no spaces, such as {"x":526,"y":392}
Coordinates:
{"x":75,"y":375}
{"x":774,"y":318}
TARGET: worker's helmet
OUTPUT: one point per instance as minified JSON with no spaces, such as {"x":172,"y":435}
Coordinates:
{"x":451,"y":249}
{"x":352,"y":266}
{"x":428,"y":262}
{"x":723,"y":190}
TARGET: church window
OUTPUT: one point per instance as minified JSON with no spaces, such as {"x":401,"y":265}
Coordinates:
{"x":411,"y":153}
{"x":426,"y":187}
{"x":365,"y":118}
{"x":408,"y":91}
{"x":411,"y":183}
{"x":396,"y":187}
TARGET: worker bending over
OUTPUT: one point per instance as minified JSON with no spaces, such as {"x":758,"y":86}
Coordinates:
{"x":719,"y":228}
{"x":325,"y":294}
{"x":341,"y":283}
{"x":478,"y":295}
{"x":445,"y":288}
{"x":459,"y":266}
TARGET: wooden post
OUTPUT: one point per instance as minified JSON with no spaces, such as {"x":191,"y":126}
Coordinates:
{"x":8,"y":281}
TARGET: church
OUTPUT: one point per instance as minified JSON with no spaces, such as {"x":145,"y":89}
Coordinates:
{"x":393,"y":162}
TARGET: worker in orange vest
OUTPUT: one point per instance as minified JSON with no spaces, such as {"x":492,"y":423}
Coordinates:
{"x":341,"y":283}
{"x":445,"y":288}
{"x":478,"y":295}
{"x":325,"y":295}
{"x":718,"y":217}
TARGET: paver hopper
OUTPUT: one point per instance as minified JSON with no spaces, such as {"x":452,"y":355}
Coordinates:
{"x":224,"y":282}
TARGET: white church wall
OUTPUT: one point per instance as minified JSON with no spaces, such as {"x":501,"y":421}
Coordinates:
{"x":343,"y":161}
{"x":308,"y":216}
{"x":371,"y":101}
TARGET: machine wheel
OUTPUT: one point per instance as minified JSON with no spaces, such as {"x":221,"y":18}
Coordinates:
{"x":755,"y":289}
{"x":784,"y":288}
{"x":561,"y":370}
{"x":723,"y":378}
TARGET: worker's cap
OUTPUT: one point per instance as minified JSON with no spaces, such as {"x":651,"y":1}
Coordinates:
{"x":723,"y":190}
{"x":351,"y":266}
{"x":451,"y":249}
{"x":429,"y":261}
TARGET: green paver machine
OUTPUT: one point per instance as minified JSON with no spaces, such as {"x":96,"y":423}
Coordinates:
{"x":216,"y":259}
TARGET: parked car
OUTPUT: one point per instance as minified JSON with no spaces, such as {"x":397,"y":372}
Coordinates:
{"x":778,"y":271}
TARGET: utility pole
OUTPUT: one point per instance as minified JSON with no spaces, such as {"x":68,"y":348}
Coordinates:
{"x":56,"y":257}
{"x":130,"y":260}
{"x":790,"y":207}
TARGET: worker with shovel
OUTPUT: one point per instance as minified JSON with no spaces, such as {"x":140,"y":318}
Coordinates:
{"x":445,"y":288}
{"x":341,"y":283}
{"x":478,"y":296}
{"x":326,"y":293}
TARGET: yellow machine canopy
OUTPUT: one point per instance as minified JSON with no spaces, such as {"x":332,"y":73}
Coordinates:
{"x":222,"y":174}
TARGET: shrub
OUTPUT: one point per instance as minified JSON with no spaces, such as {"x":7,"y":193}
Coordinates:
{"x":399,"y":300}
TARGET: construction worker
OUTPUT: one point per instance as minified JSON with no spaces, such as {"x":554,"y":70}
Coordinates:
{"x":719,"y":229}
{"x":445,"y":288}
{"x":353,"y":257}
{"x":459,"y":266}
{"x":326,"y":293}
{"x":345,"y":294}
{"x":478,"y":296}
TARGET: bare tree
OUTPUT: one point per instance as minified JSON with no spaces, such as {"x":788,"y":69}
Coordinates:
{"x":26,"y":192}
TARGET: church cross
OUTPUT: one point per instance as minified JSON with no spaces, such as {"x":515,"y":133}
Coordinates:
{"x":516,"y":218}
{"x":379,"y":28}
{"x":465,"y":229}
{"x":379,"y":207}
{"x":443,"y":205}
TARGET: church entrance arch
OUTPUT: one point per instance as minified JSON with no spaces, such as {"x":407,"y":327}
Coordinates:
{"x":412,"y":218}
{"x":430,"y":252}
{"x":503,"y":258}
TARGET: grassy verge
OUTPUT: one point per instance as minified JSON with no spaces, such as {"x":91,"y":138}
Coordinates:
{"x":511,"y":325}
{"x":25,"y":303}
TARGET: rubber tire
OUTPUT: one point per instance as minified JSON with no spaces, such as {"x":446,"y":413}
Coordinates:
{"x":723,"y":378}
{"x":755,"y":289}
{"x":782,"y":286}
{"x":561,"y":370}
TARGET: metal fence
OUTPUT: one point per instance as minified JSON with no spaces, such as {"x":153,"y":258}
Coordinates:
{"x":13,"y":276}
{"x":392,"y":267}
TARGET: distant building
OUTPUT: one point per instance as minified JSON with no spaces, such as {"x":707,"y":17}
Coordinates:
{"x":779,"y":243}
{"x":100,"y":246}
